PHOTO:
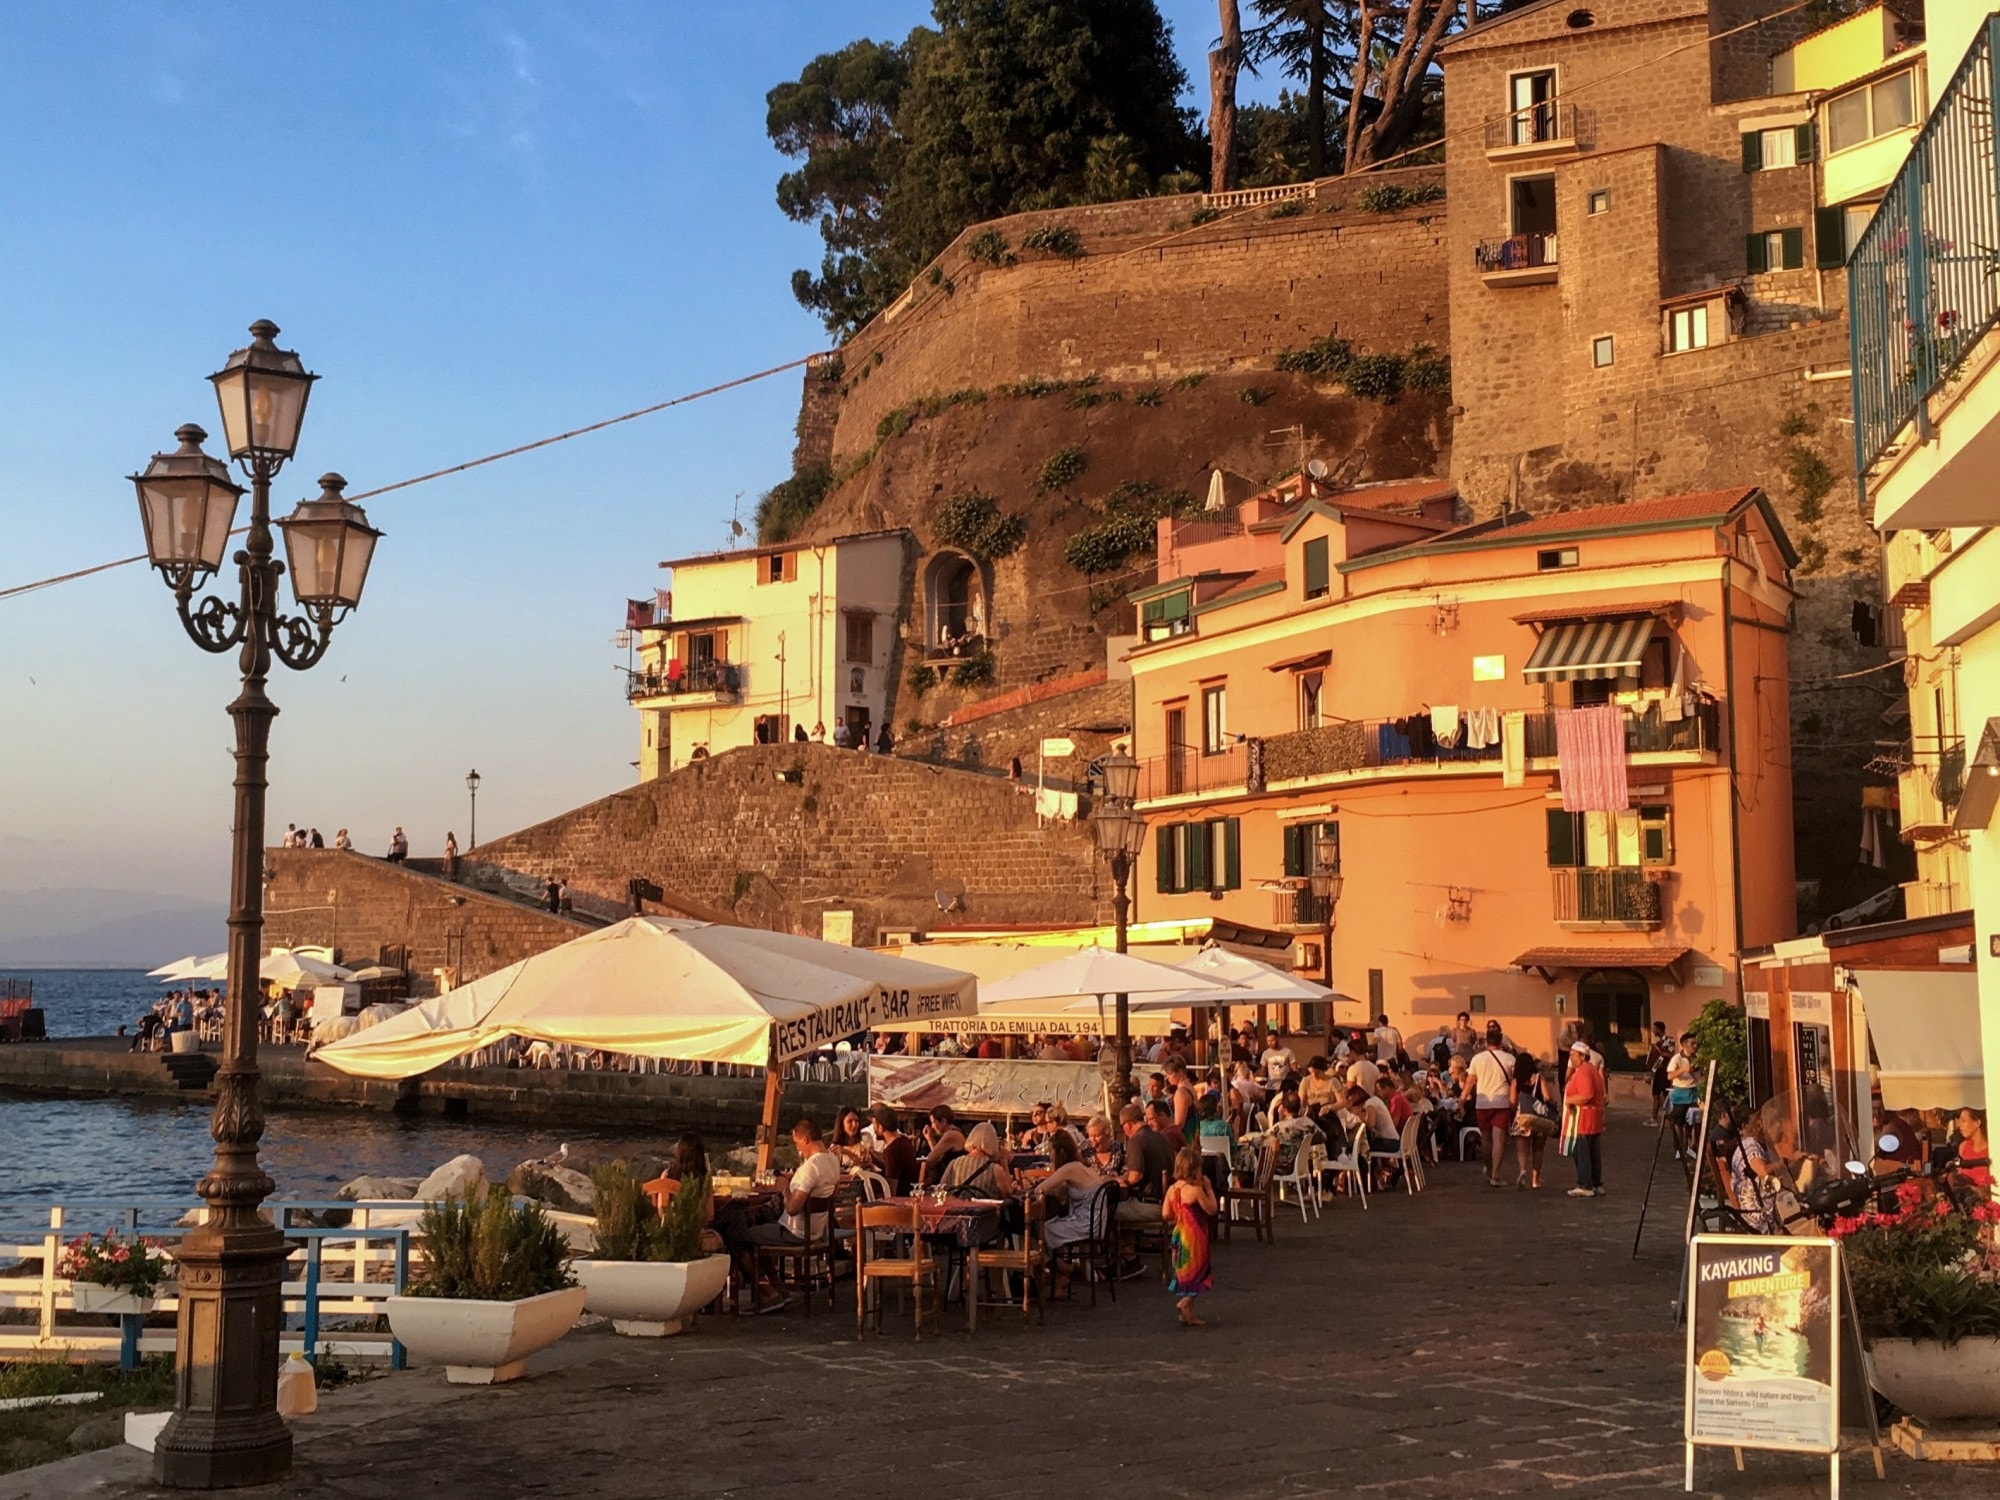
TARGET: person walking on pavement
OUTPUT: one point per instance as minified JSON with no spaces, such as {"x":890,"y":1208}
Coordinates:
{"x":1583,"y":1121}
{"x":1489,"y":1088}
{"x":1658,"y":1055}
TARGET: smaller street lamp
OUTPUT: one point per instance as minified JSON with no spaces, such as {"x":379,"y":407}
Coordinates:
{"x":187,"y":503}
{"x":1121,"y":834}
{"x":329,"y":544}
{"x":472,"y":790}
{"x":1326,"y":884}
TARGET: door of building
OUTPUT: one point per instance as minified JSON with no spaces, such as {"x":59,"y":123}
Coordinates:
{"x":1617,"y":1007}
{"x":857,"y":725}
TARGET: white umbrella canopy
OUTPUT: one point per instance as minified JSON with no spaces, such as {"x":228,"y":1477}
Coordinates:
{"x":178,"y":969}
{"x":215,"y":966}
{"x":295,"y":969}
{"x":1093,"y":973}
{"x":661,"y":987}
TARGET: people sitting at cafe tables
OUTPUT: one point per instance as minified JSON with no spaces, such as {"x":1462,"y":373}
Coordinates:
{"x":1243,"y":1078}
{"x":1363,"y":1072}
{"x":847,"y":1141}
{"x":1369,"y":1112}
{"x":1276,"y":1060}
{"x":1291,"y":1118}
{"x":944,"y":1142}
{"x":895,"y":1152}
{"x":1067,"y":1193}
{"x":817,"y":1176}
{"x":1975,"y":1153}
{"x":1320,"y":1093}
{"x":1181,"y":1100}
{"x":980,"y":1171}
{"x":1757,"y":1163}
{"x":1395,"y":1099}
{"x":1103,"y":1147}
{"x":1209,"y":1122}
{"x":1236,"y":1113}
{"x":1059,"y":1123}
{"x":990,"y":1048}
{"x":690,"y":1160}
{"x":1149,"y":1159}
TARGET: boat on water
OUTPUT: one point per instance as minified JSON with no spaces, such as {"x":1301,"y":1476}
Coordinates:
{"x":20,"y":1020}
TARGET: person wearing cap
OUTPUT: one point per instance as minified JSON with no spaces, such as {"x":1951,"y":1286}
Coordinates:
{"x":1583,"y":1120}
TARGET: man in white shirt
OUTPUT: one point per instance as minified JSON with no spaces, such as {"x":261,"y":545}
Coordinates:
{"x":1277,"y":1060}
{"x":818,"y":1176}
{"x":1364,"y":1075}
{"x":1489,"y":1087}
{"x":1388,"y":1040}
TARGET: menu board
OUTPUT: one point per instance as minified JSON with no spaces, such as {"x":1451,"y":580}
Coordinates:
{"x":1763,"y":1352}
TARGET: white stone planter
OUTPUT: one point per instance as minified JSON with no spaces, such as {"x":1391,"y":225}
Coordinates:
{"x":1926,"y":1379}
{"x":89,"y":1297}
{"x":480,"y":1342}
{"x":651,"y":1299}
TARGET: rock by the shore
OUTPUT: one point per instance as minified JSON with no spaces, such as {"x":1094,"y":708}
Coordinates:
{"x":371,"y":1188}
{"x":461,"y":1177}
{"x":560,"y":1187}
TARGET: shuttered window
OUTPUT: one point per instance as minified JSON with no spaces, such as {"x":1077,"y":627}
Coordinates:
{"x":1318,"y":575}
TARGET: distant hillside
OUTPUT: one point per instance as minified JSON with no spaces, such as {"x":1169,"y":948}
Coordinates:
{"x":86,"y":928}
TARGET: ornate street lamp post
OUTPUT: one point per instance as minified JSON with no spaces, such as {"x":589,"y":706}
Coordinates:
{"x":472,"y":788}
{"x":1121,"y":834}
{"x":1326,"y":883}
{"x":225,"y":1429}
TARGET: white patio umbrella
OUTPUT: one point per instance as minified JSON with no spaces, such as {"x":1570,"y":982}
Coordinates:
{"x":215,"y":966}
{"x":662,"y":987}
{"x":1253,"y":983}
{"x":1093,"y":973}
{"x":178,"y":969}
{"x":295,"y":969}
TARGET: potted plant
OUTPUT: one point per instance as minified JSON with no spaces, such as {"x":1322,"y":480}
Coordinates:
{"x":1926,"y":1281}
{"x":649,"y":1273}
{"x":495,"y":1288}
{"x":111,"y":1274}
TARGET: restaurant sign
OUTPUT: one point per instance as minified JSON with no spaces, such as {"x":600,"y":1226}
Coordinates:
{"x":878,"y":1006}
{"x":1763,"y":1349}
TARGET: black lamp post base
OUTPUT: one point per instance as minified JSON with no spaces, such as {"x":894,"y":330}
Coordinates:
{"x":219,"y":1461}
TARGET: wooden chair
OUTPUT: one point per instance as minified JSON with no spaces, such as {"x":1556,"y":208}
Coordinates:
{"x":1258,"y":1201}
{"x":1094,"y":1257}
{"x":1028,"y":1260}
{"x":661,"y":1190}
{"x":877,"y":1225}
{"x":810,"y":1255}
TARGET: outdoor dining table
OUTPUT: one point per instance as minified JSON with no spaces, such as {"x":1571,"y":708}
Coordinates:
{"x":964,"y":1224}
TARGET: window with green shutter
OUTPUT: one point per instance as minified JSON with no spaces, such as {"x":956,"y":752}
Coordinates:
{"x":1318,"y":575}
{"x":1753,"y":154}
{"x":1830,"y":238}
{"x":1565,"y":839}
{"x":1164,"y":616}
{"x":1166,"y":861}
{"x":1229,"y":877}
{"x":1195,"y":861}
{"x":1794,"y":246}
{"x":1756,"y":254}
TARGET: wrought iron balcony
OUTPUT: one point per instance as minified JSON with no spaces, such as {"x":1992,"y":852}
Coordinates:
{"x":1646,"y":732}
{"x":1618,"y":900}
{"x":1299,"y":908}
{"x":1921,"y":288}
{"x":1519,"y":259}
{"x":1187,"y":772}
{"x":1533,"y":130}
{"x":702,"y":681}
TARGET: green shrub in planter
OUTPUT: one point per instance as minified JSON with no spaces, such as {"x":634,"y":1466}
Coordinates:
{"x":630,"y":1228}
{"x":497,"y":1250}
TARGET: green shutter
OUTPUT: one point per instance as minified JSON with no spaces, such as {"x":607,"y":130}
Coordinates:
{"x":1753,"y":152}
{"x":1232,"y":863}
{"x":1152,"y":611}
{"x":1296,"y":845}
{"x":1563,"y":840}
{"x":1164,"y":862}
{"x":1808,"y":143}
{"x":1174,"y":606}
{"x":1316,"y":570}
{"x":1794,"y":241}
{"x":1754,"y":254}
{"x":1829,"y":238}
{"x":1194,"y":856}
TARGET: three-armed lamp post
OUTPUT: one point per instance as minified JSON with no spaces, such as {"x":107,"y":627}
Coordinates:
{"x":472,"y":789}
{"x":225,"y":1429}
{"x":1326,"y":882}
{"x":1121,"y":834}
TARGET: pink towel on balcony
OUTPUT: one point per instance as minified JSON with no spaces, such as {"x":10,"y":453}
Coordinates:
{"x":1590,"y":758}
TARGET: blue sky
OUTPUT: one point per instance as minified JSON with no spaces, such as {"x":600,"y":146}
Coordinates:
{"x":480,"y":224}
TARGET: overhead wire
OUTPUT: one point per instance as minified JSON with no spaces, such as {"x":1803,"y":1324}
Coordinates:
{"x":19,"y":589}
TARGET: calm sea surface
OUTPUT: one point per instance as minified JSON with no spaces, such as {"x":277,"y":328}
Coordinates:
{"x":131,"y":1150}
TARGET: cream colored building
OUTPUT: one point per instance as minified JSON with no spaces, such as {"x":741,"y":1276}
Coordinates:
{"x":1926,"y":330}
{"x":756,"y":645}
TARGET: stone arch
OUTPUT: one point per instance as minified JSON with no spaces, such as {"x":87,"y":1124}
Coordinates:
{"x":958,"y":609}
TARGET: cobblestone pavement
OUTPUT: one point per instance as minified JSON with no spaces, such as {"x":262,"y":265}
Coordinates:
{"x":1467,"y":1342}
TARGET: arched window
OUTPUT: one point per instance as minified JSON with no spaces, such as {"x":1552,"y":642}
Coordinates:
{"x":955,"y":616}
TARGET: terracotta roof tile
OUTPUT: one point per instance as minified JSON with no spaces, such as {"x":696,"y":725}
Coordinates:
{"x":1708,"y":505}
{"x":1601,"y":958}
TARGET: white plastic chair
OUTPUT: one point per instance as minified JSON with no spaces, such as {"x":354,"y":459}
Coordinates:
{"x":1353,"y":1163}
{"x":1410,"y":1156}
{"x":1478,"y":1139}
{"x":874,"y":1186}
{"x":1301,"y":1175}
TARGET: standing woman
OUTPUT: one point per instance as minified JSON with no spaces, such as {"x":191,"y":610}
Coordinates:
{"x":1189,"y":1209}
{"x":1534,"y":1118}
{"x":1583,"y":1122}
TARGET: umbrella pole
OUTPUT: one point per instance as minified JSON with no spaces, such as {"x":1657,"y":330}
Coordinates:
{"x":767,"y":1124}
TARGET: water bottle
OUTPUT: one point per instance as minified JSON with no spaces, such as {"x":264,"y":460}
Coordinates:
{"x":298,"y":1392}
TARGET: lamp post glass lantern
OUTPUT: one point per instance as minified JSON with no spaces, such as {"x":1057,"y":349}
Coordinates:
{"x":225,"y":1430}
{"x":1326,"y":884}
{"x":472,"y":791}
{"x":1121,"y":834}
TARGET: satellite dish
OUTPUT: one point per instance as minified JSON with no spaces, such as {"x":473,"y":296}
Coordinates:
{"x":1317,"y":468}
{"x":735,"y":527}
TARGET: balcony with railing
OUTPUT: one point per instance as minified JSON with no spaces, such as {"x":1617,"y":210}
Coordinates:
{"x":1517,"y":260}
{"x":1187,"y":772}
{"x":1927,"y":792}
{"x":1647,"y":732}
{"x":1299,"y":908}
{"x":1549,"y":128}
{"x":1368,"y":745}
{"x":1607,"y":900}
{"x":1924,"y":317}
{"x":691,"y":686}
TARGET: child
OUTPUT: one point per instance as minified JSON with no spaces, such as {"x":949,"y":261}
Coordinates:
{"x":1188,"y":1208}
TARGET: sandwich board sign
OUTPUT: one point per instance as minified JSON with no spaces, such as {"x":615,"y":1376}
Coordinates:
{"x":1764,"y":1346}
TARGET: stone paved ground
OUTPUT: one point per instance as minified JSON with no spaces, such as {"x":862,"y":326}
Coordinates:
{"x":1467,"y":1342}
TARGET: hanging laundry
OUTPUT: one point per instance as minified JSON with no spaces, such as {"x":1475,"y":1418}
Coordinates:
{"x":1862,"y":621}
{"x":1423,"y":744}
{"x":1445,"y":725}
{"x":1482,"y":728}
{"x":1883,"y":797}
{"x":1590,"y":758}
{"x":1875,"y":837}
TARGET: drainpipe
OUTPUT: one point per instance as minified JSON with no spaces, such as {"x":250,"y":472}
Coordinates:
{"x":1729,"y":761}
{"x":819,"y":638}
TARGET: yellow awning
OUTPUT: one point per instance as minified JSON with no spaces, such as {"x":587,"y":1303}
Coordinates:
{"x":1924,"y":1024}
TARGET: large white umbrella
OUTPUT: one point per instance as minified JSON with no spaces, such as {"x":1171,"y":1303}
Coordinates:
{"x":990,"y":963}
{"x":215,"y":966}
{"x":1093,"y":973}
{"x":178,"y":969}
{"x":1250,"y":982}
{"x":662,"y":987}
{"x":295,"y":969}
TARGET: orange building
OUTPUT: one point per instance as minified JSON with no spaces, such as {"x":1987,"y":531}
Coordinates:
{"x":1354,"y":672}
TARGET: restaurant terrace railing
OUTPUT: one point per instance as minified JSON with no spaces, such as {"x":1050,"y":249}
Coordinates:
{"x":1647,"y":732}
{"x":713,"y":677}
{"x":1921,"y":284}
{"x":1616,"y":898}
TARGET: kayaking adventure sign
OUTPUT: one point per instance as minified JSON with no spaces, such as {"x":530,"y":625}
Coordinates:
{"x":1763,"y":1350}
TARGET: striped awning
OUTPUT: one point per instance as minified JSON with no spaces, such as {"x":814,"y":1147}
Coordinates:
{"x":1590,"y":649}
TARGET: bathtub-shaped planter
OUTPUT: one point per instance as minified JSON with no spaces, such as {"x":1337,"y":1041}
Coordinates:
{"x":651,"y":1298}
{"x":482,"y":1342}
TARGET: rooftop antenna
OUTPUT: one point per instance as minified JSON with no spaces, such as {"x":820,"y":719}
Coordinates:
{"x":735,"y":519}
{"x":1277,"y":437}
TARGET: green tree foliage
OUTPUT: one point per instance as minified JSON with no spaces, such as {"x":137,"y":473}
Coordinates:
{"x":973,"y":522}
{"x":787,"y":505}
{"x":1130,"y":513}
{"x":1722,"y":1036}
{"x":1007,"y":105}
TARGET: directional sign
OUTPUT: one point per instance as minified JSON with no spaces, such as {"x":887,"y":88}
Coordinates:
{"x":1058,"y":746}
